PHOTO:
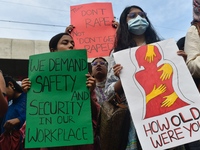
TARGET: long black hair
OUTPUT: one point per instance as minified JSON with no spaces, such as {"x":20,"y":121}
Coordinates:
{"x":124,"y":38}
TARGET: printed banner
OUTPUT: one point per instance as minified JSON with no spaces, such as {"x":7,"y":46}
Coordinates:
{"x":93,"y":28}
{"x":162,"y":96}
{"x":58,"y":105}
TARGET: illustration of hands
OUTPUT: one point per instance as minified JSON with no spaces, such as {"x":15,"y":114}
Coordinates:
{"x":150,"y":54}
{"x":170,"y":99}
{"x":155,"y":92}
{"x":167,"y":71}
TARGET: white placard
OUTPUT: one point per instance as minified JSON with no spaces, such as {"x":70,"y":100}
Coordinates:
{"x":163,"y":99}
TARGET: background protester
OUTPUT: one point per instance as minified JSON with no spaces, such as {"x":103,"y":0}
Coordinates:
{"x":192,"y":49}
{"x":15,"y":115}
{"x":192,"y":42}
{"x":3,"y":100}
{"x":181,"y":52}
{"x":99,"y":72}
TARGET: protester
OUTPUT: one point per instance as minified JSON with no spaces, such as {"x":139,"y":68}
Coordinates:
{"x":181,"y":43}
{"x":16,"y":113}
{"x":134,"y":29}
{"x":192,"y":44}
{"x":60,"y":42}
{"x":181,"y":52}
{"x":192,"y":49}
{"x":3,"y":100}
{"x":99,"y":72}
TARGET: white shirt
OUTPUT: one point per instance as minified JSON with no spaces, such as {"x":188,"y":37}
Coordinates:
{"x":192,"y":49}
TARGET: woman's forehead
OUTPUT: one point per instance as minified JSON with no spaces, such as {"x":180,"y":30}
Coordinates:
{"x":135,"y":10}
{"x":99,"y":59}
{"x":66,"y":37}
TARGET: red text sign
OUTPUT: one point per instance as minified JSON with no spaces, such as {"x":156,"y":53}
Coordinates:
{"x":93,"y":28}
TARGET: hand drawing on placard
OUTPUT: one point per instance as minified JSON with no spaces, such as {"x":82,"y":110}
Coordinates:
{"x":155,"y":75}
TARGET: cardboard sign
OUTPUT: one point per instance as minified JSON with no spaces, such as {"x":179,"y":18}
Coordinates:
{"x":93,"y":28}
{"x":58,"y":105}
{"x":162,"y":96}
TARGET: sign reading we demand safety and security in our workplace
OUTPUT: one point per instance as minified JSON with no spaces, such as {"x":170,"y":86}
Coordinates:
{"x":93,"y":28}
{"x":58,"y":102}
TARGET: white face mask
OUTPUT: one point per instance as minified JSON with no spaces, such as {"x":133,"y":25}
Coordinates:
{"x":137,"y":25}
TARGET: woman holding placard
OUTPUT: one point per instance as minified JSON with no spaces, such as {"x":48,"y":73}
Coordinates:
{"x":60,"y":42}
{"x":134,"y":29}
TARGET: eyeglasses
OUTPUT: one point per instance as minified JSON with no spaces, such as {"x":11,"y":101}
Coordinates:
{"x":99,"y":62}
{"x":135,"y":14}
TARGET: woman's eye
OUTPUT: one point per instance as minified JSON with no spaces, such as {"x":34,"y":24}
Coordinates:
{"x":65,"y":42}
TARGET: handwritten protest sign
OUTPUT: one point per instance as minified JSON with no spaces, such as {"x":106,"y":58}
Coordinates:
{"x":162,"y":97}
{"x":93,"y":28}
{"x":58,"y":105}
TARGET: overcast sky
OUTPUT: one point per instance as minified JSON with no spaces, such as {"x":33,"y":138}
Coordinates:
{"x":41,"y":19}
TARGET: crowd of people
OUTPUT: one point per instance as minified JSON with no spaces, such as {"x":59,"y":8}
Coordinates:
{"x":134,"y":29}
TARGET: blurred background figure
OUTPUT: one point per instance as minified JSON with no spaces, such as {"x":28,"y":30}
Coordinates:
{"x":99,"y":72}
{"x":3,"y":100}
{"x":15,"y":116}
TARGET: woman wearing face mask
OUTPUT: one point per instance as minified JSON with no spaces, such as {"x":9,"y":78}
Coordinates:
{"x":134,"y":29}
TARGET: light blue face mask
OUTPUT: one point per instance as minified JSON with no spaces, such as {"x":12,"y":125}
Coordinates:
{"x":137,"y":25}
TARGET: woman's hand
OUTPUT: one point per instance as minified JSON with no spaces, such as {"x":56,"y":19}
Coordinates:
{"x":26,"y":84}
{"x":69,"y":29}
{"x":117,"y":69}
{"x":115,"y":24}
{"x":91,"y":82}
{"x":183,"y":54}
{"x":10,"y":124}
